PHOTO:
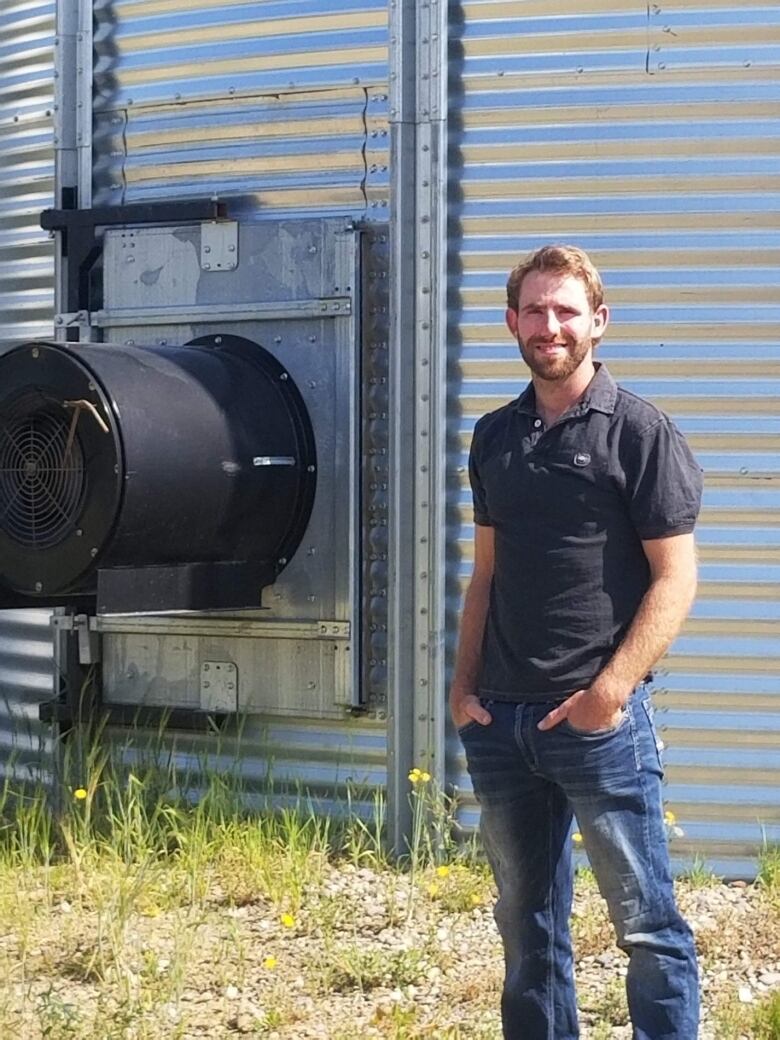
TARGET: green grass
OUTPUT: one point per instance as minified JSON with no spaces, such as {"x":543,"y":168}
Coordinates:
{"x":699,"y":875}
{"x":760,"y":1021}
{"x":134,"y":876}
{"x":769,"y":872}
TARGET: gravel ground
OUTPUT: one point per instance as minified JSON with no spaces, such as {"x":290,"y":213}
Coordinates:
{"x":360,"y":957}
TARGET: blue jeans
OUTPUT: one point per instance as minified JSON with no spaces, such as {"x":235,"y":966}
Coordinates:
{"x":529,"y":785}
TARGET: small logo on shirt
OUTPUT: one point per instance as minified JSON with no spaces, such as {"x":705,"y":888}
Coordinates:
{"x":582,"y":458}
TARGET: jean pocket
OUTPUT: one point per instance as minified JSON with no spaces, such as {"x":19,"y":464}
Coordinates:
{"x":659,"y":744}
{"x":467,"y":727}
{"x":594,"y":734}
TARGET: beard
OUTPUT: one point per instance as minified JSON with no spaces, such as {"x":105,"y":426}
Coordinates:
{"x":559,"y":366}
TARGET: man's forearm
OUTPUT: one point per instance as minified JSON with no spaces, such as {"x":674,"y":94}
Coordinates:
{"x":468,"y":658}
{"x":656,"y":623}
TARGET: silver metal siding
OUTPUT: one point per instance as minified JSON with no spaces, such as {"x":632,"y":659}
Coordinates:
{"x":26,"y":168}
{"x":282,"y":106}
{"x":26,"y":679}
{"x":650,"y":137}
{"x":26,"y":309}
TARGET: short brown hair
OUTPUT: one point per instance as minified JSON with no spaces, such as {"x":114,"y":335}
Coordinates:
{"x":566,"y":260}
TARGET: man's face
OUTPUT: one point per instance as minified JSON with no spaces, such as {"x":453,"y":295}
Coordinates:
{"x":554,"y":324}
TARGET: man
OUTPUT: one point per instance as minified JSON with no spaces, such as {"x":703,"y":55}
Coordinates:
{"x":585,"y":498}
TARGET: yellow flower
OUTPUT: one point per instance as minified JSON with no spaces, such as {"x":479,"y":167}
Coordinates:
{"x":269,"y":963}
{"x":424,"y":777}
{"x":287,"y":920}
{"x":419,"y":776}
{"x":443,"y":871}
{"x":669,"y":818}
{"x":432,"y":890}
{"x":80,"y":794}
{"x":475,"y":899}
{"x":577,"y":838}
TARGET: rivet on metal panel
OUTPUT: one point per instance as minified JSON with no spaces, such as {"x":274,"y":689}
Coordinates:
{"x":283,"y":376}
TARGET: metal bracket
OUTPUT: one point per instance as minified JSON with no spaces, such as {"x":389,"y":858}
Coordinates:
{"x":81,"y":246}
{"x":273,"y":460}
{"x":282,"y":310}
{"x":219,"y":245}
{"x":88,"y":638}
{"x":218,"y":686}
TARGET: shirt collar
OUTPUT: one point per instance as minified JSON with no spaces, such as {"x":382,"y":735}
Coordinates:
{"x":600,"y":395}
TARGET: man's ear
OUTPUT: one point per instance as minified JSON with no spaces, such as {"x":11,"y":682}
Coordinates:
{"x":600,"y":321}
{"x":510,"y":317}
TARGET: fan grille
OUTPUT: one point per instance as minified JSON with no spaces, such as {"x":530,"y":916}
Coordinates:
{"x":42,"y":478}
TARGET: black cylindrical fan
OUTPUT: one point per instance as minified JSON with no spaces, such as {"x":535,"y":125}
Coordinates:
{"x":149,"y":478}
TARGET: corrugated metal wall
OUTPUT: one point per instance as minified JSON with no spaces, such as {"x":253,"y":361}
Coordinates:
{"x":26,"y":309}
{"x":26,"y":167}
{"x":649,"y":134}
{"x":280,"y":108}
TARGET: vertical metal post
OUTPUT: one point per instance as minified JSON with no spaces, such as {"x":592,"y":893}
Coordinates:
{"x":73,"y":66}
{"x":416,"y":664}
{"x":72,"y":125}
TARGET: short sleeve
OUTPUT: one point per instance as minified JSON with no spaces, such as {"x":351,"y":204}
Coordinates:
{"x":477,"y":487}
{"x":663,"y":482}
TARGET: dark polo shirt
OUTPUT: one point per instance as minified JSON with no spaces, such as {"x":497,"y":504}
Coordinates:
{"x":570,"y":506}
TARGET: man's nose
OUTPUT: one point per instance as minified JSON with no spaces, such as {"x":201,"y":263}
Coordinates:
{"x":550,"y":322}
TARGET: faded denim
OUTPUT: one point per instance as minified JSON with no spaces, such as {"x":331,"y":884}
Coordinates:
{"x":530,"y":784}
